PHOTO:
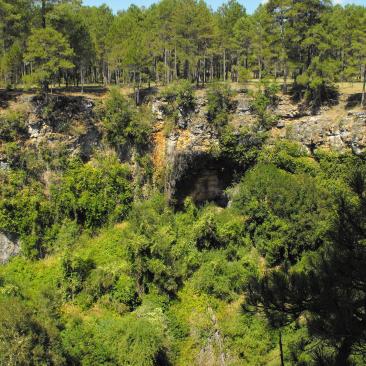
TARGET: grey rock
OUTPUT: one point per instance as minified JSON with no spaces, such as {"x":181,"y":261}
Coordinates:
{"x":9,"y":247}
{"x":317,"y":131}
{"x":173,"y":136}
{"x":34,"y":129}
{"x":357,"y":114}
{"x":243,"y":107}
{"x":182,"y":122}
{"x":4,"y":165}
{"x":280,"y":124}
{"x":157,"y":108}
{"x":286,"y":109}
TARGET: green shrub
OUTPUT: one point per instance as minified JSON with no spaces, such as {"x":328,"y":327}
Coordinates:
{"x":221,"y":278}
{"x":181,"y":95}
{"x":240,"y":146}
{"x":219,"y":104}
{"x":290,"y":156}
{"x":160,"y":248}
{"x":124,"y":291}
{"x":75,"y":270}
{"x":26,"y":338}
{"x":244,"y":75}
{"x":12,"y":126}
{"x":262,"y":99}
{"x":286,"y":214}
{"x":94,"y":193}
{"x":89,"y":195}
{"x":124,"y":123}
{"x":137,"y":339}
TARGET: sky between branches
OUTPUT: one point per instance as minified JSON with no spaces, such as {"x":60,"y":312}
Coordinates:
{"x":250,"y":5}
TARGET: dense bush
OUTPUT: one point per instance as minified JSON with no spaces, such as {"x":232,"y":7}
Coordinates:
{"x":180,"y":93}
{"x":90,"y":194}
{"x":75,"y":270}
{"x":12,"y":126}
{"x":25,"y":338}
{"x":219,"y":104}
{"x":136,"y":340}
{"x":262,"y":99}
{"x":286,"y":214}
{"x":124,"y":123}
{"x":289,"y":156}
{"x":161,"y":257}
{"x":240,"y":147}
{"x":93,"y":193}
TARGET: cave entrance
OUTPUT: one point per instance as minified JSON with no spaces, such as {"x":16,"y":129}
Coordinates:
{"x":204,"y":178}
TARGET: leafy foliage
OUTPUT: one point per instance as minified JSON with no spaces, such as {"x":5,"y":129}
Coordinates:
{"x":123,"y":123}
{"x":12,"y":126}
{"x":93,"y":193}
{"x":264,"y":98}
{"x":219,"y":104}
{"x":285,"y":212}
{"x":330,"y":311}
{"x":25,"y":338}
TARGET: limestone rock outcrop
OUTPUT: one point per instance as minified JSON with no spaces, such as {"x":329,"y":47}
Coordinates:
{"x":320,"y":131}
{"x":9,"y":247}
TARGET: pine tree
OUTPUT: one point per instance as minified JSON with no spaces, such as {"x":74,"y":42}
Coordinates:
{"x":227,"y":16}
{"x":49,"y":53}
{"x":67,"y":19}
{"x":327,"y":288}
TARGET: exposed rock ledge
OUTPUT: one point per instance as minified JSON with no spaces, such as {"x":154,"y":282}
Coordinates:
{"x":348,"y":132}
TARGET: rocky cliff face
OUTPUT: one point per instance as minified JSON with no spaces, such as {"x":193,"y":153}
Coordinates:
{"x":58,"y":124}
{"x":189,"y":156}
{"x":54,"y":127}
{"x":64,"y":120}
{"x":337,"y":128}
{"x":345,"y":133}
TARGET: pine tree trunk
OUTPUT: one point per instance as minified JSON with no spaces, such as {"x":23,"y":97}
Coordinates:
{"x":109,"y":76}
{"x":156,"y":72}
{"x":275,"y":72}
{"x":260,"y":68}
{"x":204,"y":71}
{"x":82,"y":79}
{"x":224,"y":65}
{"x":198,"y":72}
{"x":343,"y":354}
{"x":212,"y":68}
{"x":43,"y":13}
{"x":175,"y":64}
{"x":281,"y":350}
{"x":137,"y":92}
{"x":363,"y":102}
{"x":166,"y":65}
{"x":285,"y":79}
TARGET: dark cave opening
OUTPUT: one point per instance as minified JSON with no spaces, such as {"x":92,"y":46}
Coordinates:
{"x":204,"y":178}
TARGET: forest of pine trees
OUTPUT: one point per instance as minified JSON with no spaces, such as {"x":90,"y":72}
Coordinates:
{"x":310,"y":42}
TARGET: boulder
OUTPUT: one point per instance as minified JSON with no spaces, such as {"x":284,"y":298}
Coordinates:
{"x":9,"y":247}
